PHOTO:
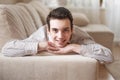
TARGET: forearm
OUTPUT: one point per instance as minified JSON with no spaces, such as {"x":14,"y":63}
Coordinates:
{"x":20,"y":48}
{"x":97,"y":51}
{"x":42,"y":46}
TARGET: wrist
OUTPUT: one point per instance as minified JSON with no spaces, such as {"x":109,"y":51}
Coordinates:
{"x":42,"y":46}
{"x":76,"y":48}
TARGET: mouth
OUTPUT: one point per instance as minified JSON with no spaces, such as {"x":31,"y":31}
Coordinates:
{"x":60,"y":42}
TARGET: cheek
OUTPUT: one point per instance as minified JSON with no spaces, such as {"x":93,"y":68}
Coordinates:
{"x":53,"y":36}
{"x":67,"y":36}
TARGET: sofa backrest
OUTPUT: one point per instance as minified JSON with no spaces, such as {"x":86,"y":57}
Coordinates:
{"x":90,"y":13}
{"x":18,"y":21}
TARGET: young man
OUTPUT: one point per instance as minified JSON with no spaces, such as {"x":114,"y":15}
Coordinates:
{"x":59,"y":36}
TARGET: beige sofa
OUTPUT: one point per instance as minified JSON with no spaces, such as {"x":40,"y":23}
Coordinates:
{"x":20,"y":20}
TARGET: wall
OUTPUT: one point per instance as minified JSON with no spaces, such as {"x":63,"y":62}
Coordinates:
{"x":102,"y":14}
{"x":12,"y":1}
{"x":9,"y":1}
{"x":102,"y":11}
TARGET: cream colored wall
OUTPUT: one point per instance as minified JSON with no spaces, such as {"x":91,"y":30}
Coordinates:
{"x":12,"y":1}
{"x":102,"y":11}
{"x":102,"y":16}
{"x":8,"y":1}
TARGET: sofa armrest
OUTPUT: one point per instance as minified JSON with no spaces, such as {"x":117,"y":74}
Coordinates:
{"x":70,"y":67}
{"x":104,"y":73}
{"x":101,"y":34}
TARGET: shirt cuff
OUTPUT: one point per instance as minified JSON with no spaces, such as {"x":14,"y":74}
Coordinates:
{"x":83,"y":50}
{"x":31,"y":48}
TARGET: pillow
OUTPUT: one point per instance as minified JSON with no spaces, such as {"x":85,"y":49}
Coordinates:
{"x":9,"y":21}
{"x":15,"y":23}
{"x":80,"y":19}
{"x":33,"y":13}
{"x":42,"y":10}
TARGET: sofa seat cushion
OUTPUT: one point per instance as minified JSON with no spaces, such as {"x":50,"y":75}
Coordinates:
{"x":70,"y":67}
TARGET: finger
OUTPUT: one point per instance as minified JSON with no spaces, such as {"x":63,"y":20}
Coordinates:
{"x":53,"y":48}
{"x":51,"y":44}
{"x":57,"y":52}
{"x":54,"y":52}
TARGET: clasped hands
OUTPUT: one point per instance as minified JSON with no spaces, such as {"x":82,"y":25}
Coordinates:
{"x":52,"y":48}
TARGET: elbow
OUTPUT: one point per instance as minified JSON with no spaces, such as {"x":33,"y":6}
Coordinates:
{"x":110,"y":59}
{"x":9,"y":54}
{"x":3,"y":51}
{"x":110,"y":56}
{"x":6,"y":53}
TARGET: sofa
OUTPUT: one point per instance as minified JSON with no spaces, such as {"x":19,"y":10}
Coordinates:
{"x":20,"y":20}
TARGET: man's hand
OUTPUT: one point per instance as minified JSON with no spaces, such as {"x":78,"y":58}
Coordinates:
{"x":46,"y":46}
{"x":70,"y":48}
{"x":52,"y":48}
{"x":42,"y":46}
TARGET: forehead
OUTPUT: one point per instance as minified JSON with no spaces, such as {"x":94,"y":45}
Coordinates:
{"x":60,"y":23}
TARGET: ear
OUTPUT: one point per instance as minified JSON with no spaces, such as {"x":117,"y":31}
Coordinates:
{"x":72,"y":30}
{"x":48,"y":31}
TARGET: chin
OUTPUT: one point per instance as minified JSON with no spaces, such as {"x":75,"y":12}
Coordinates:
{"x":61,"y":46}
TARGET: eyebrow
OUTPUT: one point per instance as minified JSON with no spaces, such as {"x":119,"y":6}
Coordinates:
{"x":54,"y":28}
{"x":63,"y":28}
{"x":66,"y":28}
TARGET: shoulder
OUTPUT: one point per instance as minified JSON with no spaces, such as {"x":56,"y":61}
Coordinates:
{"x":42,"y":28}
{"x":40,"y":34}
{"x":80,"y":36}
{"x":78,"y":32}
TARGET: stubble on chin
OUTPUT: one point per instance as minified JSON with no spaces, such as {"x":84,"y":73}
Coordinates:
{"x":62,"y":46}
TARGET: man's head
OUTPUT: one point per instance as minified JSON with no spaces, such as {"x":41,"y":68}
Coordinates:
{"x":60,"y":26}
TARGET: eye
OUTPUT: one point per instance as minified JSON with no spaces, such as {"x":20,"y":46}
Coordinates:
{"x":55,"y":30}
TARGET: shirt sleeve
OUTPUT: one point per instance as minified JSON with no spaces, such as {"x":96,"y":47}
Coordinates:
{"x":24,"y":47}
{"x":97,"y":51}
{"x":89,"y":48}
{"x":20,"y":48}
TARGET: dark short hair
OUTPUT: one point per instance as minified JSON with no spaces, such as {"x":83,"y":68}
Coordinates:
{"x":60,"y":13}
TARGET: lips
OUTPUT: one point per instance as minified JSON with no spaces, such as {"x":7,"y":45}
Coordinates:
{"x":61,"y":42}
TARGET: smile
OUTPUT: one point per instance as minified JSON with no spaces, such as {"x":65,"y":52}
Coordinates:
{"x":60,"y":41}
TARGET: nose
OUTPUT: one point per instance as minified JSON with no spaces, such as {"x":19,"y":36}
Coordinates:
{"x":60,"y":34}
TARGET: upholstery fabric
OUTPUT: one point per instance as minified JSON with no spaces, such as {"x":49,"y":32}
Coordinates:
{"x":9,"y":24}
{"x":19,"y":21}
{"x":100,"y":32}
{"x":41,"y":9}
{"x":33,"y":13}
{"x":80,"y":19}
{"x":48,"y":68}
{"x":9,"y":1}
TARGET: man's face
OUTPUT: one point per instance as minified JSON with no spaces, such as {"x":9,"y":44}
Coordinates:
{"x":60,"y":31}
